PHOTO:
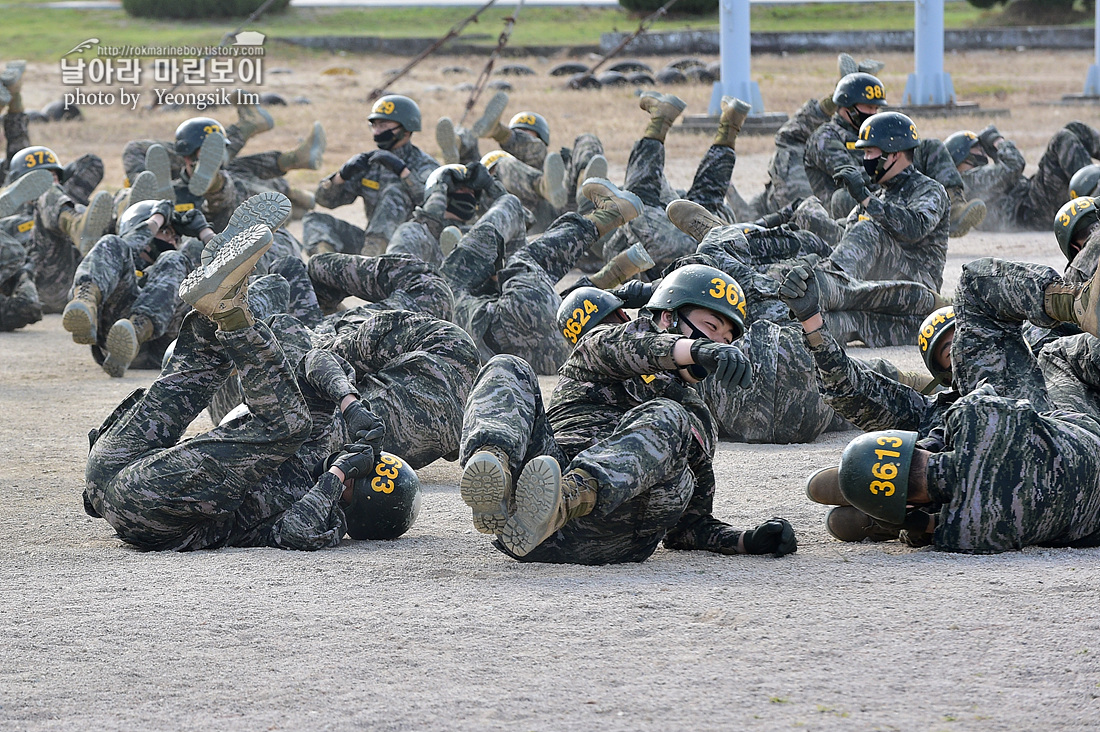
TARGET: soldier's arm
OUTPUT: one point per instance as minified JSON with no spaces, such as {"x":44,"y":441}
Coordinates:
{"x":865,"y":397}
{"x":797,"y":130}
{"x":621,"y":352}
{"x":314,"y":521}
{"x":330,"y":375}
{"x":916,"y":219}
{"x":333,"y":195}
{"x":527,"y":148}
{"x":411,"y":282}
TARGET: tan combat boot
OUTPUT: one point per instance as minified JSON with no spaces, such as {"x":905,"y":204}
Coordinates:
{"x":1078,"y":304}
{"x":27,"y":188}
{"x":622,"y":267}
{"x":965,"y":215}
{"x":85,"y":228}
{"x":81,"y":314}
{"x":160,"y":166}
{"x":447,"y":140}
{"x":552,"y":183}
{"x":614,"y":207}
{"x":824,"y":487}
{"x":691,"y":218}
{"x":124,"y":340}
{"x":545,"y":501}
{"x":218,"y":290}
{"x":734,"y":113}
{"x":309,"y":153}
{"x":489,"y":124}
{"x":211,"y":156}
{"x":486,"y":487}
{"x":253,"y":119}
{"x":848,"y":523}
{"x":663,"y":110}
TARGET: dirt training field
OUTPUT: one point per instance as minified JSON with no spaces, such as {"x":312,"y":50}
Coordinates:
{"x":439,"y":631}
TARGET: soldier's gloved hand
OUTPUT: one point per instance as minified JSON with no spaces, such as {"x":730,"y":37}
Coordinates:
{"x":363,"y":423}
{"x":478,"y":177}
{"x":389,"y":161}
{"x":799,"y":292}
{"x":775,"y":536}
{"x":356,"y":165}
{"x":988,"y":139}
{"x":724,"y":362}
{"x":634,"y":294}
{"x":189,"y":223}
{"x":855,"y":181}
{"x":165,"y":209}
{"x":355,"y":464}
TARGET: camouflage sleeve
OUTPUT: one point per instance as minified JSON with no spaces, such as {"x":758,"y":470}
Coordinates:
{"x":15,"y":132}
{"x":999,"y":176}
{"x":868,"y":399}
{"x":527,"y":148}
{"x":933,"y":160}
{"x":402,"y":280}
{"x":622,"y":352}
{"x":797,"y":130}
{"x":831,"y":155}
{"x":331,"y":195}
{"x":314,"y":521}
{"x":329,"y":374}
{"x":914,"y":220}
{"x":761,"y":292}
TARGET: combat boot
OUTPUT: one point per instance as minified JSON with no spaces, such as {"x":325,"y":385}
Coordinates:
{"x":915,"y":380}
{"x":144,"y":188}
{"x":596,"y":168}
{"x":124,"y":340}
{"x":552,"y":183}
{"x":28,"y":188}
{"x":210,"y":159}
{"x":11,"y":81}
{"x":824,"y":487}
{"x":545,"y":501}
{"x":85,"y":228}
{"x":308,"y":154}
{"x":301,"y":202}
{"x":158,"y":163}
{"x":613,"y":206}
{"x":941,"y":301}
{"x":486,"y":487}
{"x":622,"y":267}
{"x":691,"y":218}
{"x":848,"y":523}
{"x":663,"y":110}
{"x":218,"y":290}
{"x":965,"y":215}
{"x":252,"y":119}
{"x":449,"y":238}
{"x":845,"y":65}
{"x":870,"y":66}
{"x":447,"y":140}
{"x":270,"y":208}
{"x":81,"y":314}
{"x":1078,"y":304}
{"x":489,"y":124}
{"x":734,"y":113}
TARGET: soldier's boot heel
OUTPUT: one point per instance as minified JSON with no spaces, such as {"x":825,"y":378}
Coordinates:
{"x":447,"y":140}
{"x":486,"y":487}
{"x":691,"y":218}
{"x":97,"y":219}
{"x":538,"y":505}
{"x":79,"y":316}
{"x":157,"y":163}
{"x":270,"y":209}
{"x":847,"y":523}
{"x":211,"y":157}
{"x":218,"y":288}
{"x":824,"y":487}
{"x":124,"y":340}
{"x":28,"y":188}
{"x":552,"y":183}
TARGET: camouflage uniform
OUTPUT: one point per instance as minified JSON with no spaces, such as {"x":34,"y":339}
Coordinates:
{"x":387,"y":282}
{"x":133,"y":154}
{"x":244,"y":484}
{"x":517,"y":313}
{"x":16,"y":137}
{"x":19,"y":304}
{"x":522,"y":181}
{"x":1015,"y":202}
{"x":620,"y":414}
{"x":645,"y":178}
{"x":387,"y":199}
{"x":131,"y":285}
{"x":54,"y":255}
{"x":585,"y":147}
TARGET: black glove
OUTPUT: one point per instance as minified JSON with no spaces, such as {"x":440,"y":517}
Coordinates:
{"x":855,"y":181}
{"x":726,"y":363}
{"x":356,"y":165}
{"x":389,"y":161}
{"x":355,"y":464}
{"x":775,"y":536}
{"x":189,"y":223}
{"x":478,"y":177}
{"x":988,"y":139}
{"x":799,"y":292}
{"x":166,"y":209}
{"x":634,"y":294}
{"x":363,"y":425}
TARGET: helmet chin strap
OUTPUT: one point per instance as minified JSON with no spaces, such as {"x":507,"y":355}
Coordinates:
{"x":697,"y":371}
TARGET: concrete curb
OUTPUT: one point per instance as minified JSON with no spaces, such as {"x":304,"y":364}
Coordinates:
{"x":413,"y":46}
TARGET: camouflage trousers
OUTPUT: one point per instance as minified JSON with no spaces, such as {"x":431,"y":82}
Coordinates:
{"x":527,"y":148}
{"x":641,"y":465}
{"x":16,"y":138}
{"x":877,"y":312}
{"x":81,"y":177}
{"x":160,"y":493}
{"x":390,"y":281}
{"x":868,"y":252}
{"x":19,"y":304}
{"x":133,"y":153}
{"x":518,"y":315}
{"x":811,"y":216}
{"x":646,"y":179}
{"x":112,"y":266}
{"x":392,"y":208}
{"x":762,"y":248}
{"x":1072,"y":148}
{"x":415,"y":238}
{"x":585,"y":147}
{"x":522,"y":181}
{"x":54,"y":255}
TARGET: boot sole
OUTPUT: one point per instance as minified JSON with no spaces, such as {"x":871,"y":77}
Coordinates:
{"x":609,"y":189}
{"x":691,"y":218}
{"x":77,"y":319}
{"x":97,"y":219}
{"x":538,"y":500}
{"x":826,"y":497}
{"x":447,"y":140}
{"x":23,"y":191}
{"x":207,"y":286}
{"x":449,"y":239}
{"x":973,"y":215}
{"x":493,"y":110}
{"x":317,"y":148}
{"x":553,"y":180}
{"x":211,"y":157}
{"x":122,"y":348}
{"x":158,"y":163}
{"x":270,"y":208}
{"x":850,"y":527}
{"x":144,"y":188}
{"x":484,"y":488}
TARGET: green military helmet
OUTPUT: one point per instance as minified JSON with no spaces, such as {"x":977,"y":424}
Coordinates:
{"x":136,"y":215}
{"x":31,"y":158}
{"x":859,"y":88}
{"x":534,"y":122}
{"x":436,"y":174}
{"x":583,"y":309}
{"x":399,"y":109}
{"x":191,"y":133}
{"x":958,"y":146}
{"x":888,"y":131}
{"x":385,"y":503}
{"x":490,"y":159}
{"x":874,"y":473}
{"x":933,"y":330}
{"x":1085,"y":181}
{"x":1073,"y":215}
{"x":704,"y":286}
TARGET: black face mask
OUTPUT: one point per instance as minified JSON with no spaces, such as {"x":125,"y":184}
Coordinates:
{"x":462,"y":204}
{"x":877,"y":167}
{"x":386,"y":140}
{"x":977,"y":160}
{"x":858,"y":118}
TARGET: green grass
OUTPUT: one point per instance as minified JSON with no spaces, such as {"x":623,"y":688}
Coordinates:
{"x":43,"y":35}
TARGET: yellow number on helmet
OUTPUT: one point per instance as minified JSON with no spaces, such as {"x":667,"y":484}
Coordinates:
{"x":589,"y":307}
{"x":211,"y":128}
{"x":913,"y":131}
{"x":382,"y":486}
{"x":526,"y":119}
{"x":885,"y":486}
{"x":385,"y":107}
{"x":885,"y":471}
{"x":29,"y":160}
{"x":891,"y":441}
{"x":719,"y":289}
